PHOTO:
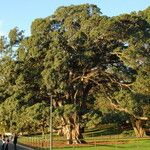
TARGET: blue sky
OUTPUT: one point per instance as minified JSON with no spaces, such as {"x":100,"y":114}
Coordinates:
{"x":21,"y":13}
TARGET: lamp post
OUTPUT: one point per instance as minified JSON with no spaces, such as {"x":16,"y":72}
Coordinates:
{"x":50,"y":121}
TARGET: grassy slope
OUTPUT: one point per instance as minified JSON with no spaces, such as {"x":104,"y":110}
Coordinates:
{"x":137,"y":145}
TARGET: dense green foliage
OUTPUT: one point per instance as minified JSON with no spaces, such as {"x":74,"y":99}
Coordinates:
{"x":91,"y":64}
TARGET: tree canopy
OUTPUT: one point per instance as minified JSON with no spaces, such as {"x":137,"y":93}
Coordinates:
{"x":88,"y":62}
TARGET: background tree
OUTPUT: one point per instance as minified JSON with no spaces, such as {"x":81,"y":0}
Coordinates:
{"x":132,"y":70}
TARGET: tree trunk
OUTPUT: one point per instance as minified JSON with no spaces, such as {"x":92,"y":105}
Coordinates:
{"x":72,"y":131}
{"x":138,"y":126}
{"x":73,"y":134}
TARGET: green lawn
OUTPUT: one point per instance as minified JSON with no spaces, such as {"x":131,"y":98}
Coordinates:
{"x":96,"y":136}
{"x":135,"y":145}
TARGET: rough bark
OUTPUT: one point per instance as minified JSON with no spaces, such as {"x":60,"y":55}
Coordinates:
{"x":72,"y":131}
{"x":138,"y":126}
{"x":73,"y":134}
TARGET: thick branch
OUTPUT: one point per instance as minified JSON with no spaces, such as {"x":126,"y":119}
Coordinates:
{"x":117,"y":107}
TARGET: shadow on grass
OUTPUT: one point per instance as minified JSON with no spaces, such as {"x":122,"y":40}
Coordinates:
{"x":109,"y":131}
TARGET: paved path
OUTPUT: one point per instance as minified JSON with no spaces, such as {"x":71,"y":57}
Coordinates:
{"x":19,"y":147}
